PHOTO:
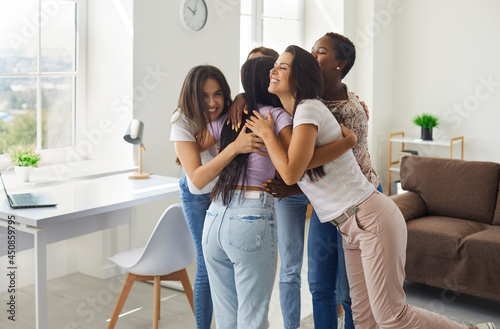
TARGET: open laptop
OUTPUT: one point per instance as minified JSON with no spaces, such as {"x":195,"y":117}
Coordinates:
{"x":27,"y":200}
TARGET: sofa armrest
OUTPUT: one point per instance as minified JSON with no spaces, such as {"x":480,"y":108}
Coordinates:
{"x":411,"y":205}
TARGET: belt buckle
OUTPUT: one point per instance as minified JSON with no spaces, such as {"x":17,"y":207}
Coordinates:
{"x":344,"y":216}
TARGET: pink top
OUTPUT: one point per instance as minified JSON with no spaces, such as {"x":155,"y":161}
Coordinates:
{"x":260,"y":167}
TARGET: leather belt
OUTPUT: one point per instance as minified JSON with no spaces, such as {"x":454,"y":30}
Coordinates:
{"x":344,"y":216}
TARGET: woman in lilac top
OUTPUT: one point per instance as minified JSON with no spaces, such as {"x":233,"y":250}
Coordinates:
{"x":239,"y":236}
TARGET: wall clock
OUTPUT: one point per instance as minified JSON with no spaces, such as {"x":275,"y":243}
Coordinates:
{"x":193,"y":14}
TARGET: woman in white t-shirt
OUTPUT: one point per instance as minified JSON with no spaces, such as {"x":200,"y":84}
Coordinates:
{"x":205,"y":95}
{"x":373,"y":228}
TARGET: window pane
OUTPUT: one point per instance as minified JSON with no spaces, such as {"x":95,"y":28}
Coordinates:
{"x":17,"y":112}
{"x":246,"y":7}
{"x":58,"y":36}
{"x":290,"y":33}
{"x":19,"y":36}
{"x":280,"y":33}
{"x":271,"y":8}
{"x":57,"y":111}
{"x":290,"y":9}
{"x":245,"y":37}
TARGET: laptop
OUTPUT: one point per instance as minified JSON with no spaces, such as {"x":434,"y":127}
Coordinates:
{"x":27,"y":200}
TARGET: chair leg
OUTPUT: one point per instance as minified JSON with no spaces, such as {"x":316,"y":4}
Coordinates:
{"x":127,"y":285}
{"x":156,"y":302}
{"x":186,"y":284}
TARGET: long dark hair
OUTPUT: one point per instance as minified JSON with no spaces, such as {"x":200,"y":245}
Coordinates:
{"x":255,"y":81}
{"x":306,"y":82}
{"x":191,"y":103}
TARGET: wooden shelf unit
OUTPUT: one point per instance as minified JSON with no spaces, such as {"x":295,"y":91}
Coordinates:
{"x":393,"y":165}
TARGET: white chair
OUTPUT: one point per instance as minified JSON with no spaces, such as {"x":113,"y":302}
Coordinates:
{"x":169,"y":251}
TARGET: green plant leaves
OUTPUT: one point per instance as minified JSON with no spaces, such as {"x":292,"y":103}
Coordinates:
{"x":426,"y":121}
{"x":23,"y":155}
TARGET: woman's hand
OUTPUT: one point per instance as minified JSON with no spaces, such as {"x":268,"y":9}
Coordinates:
{"x":248,"y":142}
{"x":349,"y":135}
{"x":236,"y":109}
{"x":279,"y":189}
{"x":365,"y":108}
{"x":259,"y":124}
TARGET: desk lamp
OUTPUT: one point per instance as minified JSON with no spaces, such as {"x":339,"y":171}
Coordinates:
{"x":133,"y":135}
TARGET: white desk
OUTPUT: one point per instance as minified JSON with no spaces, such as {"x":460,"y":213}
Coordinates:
{"x":78,"y":204}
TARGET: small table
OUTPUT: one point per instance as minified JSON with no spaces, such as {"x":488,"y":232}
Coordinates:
{"x":79,"y":204}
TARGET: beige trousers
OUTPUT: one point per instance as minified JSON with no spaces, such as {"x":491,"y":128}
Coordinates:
{"x":374,"y":241}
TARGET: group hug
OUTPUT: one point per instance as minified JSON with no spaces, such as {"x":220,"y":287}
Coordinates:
{"x":296,"y":136}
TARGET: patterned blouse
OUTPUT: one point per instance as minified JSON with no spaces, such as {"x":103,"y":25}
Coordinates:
{"x":351,"y":114}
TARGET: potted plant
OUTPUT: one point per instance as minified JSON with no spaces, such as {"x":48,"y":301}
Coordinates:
{"x":426,"y":122}
{"x":23,"y":157}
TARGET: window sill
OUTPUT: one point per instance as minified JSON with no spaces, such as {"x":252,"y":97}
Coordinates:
{"x":57,"y":173}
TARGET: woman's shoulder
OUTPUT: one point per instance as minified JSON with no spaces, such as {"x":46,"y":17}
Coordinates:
{"x":314,"y":102}
{"x":175,"y":116}
{"x":312,"y":105}
{"x":275,"y":111}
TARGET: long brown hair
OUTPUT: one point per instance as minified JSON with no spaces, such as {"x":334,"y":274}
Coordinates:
{"x":191,"y":103}
{"x":306,"y":82}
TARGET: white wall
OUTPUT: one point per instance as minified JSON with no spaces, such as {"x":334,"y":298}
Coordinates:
{"x":442,"y":66}
{"x":109,"y":79}
{"x":428,"y":56}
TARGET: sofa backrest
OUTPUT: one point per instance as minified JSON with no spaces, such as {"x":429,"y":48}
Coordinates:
{"x":454,"y":188}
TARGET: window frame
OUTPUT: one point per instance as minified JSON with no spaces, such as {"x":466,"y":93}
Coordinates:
{"x":257,"y":21}
{"x":59,"y":154}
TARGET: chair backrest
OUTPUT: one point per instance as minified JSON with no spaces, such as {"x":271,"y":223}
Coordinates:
{"x":170,"y":247}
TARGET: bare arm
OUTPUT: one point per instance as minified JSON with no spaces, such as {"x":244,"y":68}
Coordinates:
{"x":236,"y":109}
{"x":207,"y":143}
{"x":328,"y":153}
{"x":202,"y":174}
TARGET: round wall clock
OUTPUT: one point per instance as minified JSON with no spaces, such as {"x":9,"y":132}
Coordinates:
{"x":193,"y":14}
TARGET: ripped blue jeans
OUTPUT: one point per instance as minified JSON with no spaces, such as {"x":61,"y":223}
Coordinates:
{"x":240,"y":248}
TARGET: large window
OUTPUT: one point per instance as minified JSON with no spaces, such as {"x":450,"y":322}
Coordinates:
{"x":270,"y":23}
{"x":39,"y":75}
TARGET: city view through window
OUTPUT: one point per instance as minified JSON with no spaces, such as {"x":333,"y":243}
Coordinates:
{"x":38,"y":72}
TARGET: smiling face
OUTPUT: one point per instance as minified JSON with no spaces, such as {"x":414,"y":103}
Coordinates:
{"x":280,"y":76}
{"x":214,"y":97}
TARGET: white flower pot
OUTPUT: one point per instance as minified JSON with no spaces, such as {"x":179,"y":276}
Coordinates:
{"x":23,"y":173}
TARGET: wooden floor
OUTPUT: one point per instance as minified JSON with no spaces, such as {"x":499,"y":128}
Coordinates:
{"x":79,"y":301}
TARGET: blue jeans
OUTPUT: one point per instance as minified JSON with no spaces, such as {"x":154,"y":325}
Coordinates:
{"x":239,"y":243}
{"x":195,"y":207}
{"x":323,"y":264}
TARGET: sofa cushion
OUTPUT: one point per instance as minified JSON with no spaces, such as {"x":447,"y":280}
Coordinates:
{"x":471,"y":268}
{"x":411,"y":205}
{"x":440,"y":237}
{"x":454,"y":188}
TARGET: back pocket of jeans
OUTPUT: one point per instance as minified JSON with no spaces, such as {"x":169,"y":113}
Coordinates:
{"x":207,"y":227}
{"x":247,"y":232}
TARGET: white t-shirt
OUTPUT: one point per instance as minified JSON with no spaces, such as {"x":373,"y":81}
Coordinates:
{"x":182,"y":131}
{"x":344,"y":184}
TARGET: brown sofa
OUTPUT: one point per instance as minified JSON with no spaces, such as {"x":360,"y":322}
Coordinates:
{"x":452,"y":211}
